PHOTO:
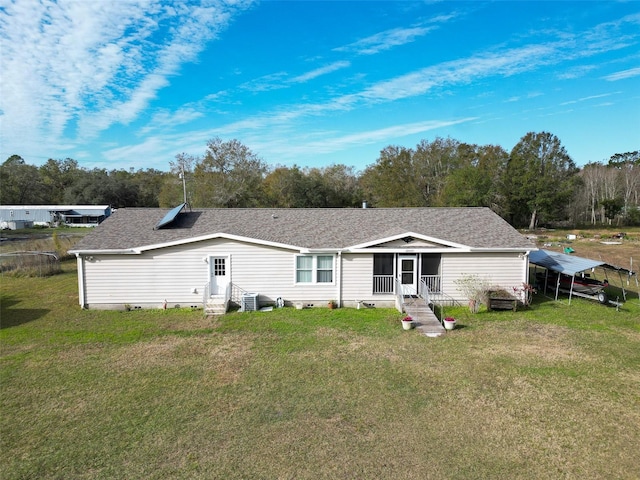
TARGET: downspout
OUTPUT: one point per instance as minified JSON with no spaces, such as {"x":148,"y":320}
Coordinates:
{"x":525,"y":272}
{"x":81,"y":294}
{"x":339,"y":280}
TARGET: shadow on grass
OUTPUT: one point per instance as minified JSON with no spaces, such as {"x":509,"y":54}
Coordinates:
{"x":12,"y":317}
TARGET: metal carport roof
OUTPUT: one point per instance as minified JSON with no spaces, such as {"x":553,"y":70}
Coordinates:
{"x":570,"y":264}
{"x":559,"y":262}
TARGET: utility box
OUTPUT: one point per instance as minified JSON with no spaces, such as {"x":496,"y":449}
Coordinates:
{"x":249,"y":302}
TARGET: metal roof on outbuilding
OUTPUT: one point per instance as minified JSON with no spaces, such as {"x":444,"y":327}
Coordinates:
{"x":559,"y":262}
{"x":568,"y":264}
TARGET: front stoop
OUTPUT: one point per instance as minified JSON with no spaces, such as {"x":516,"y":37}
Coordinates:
{"x":425,"y":320}
{"x":215,"y":306}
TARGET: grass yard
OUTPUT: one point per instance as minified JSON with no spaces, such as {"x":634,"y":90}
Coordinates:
{"x":548,"y":392}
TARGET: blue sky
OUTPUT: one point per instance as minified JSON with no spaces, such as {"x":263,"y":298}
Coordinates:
{"x":119,"y":84}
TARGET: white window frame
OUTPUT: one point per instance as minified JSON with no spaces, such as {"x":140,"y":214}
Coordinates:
{"x":314,"y":269}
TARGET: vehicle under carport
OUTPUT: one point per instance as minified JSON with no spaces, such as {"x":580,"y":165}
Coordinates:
{"x":573,"y":275}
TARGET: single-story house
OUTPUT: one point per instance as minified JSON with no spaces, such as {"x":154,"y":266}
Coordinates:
{"x":53,"y":215}
{"x":150,"y":258}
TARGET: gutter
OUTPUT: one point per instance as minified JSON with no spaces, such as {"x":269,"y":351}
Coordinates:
{"x":339,"y":279}
{"x":128,"y":251}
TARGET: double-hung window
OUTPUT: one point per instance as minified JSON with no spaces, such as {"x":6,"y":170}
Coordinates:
{"x":314,"y":269}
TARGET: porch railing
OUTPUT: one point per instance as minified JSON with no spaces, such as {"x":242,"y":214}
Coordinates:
{"x":383,"y":284}
{"x":386,"y":283}
{"x":432,"y":282}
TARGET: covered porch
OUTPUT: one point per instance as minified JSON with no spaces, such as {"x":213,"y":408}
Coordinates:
{"x":412,"y":270}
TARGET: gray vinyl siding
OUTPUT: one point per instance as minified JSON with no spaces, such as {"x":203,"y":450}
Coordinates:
{"x":504,"y":270}
{"x":357,"y":281}
{"x":173,"y":273}
{"x":178,"y":275}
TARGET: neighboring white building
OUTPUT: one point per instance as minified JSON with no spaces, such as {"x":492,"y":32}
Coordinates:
{"x":21,"y":216}
{"x":149,"y":258}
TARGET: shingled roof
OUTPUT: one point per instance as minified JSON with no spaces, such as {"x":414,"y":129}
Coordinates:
{"x":304,"y":228}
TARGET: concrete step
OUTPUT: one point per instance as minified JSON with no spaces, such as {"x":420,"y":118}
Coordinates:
{"x":215,"y":306}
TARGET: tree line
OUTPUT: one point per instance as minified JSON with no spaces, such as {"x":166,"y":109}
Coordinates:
{"x":535,"y":184}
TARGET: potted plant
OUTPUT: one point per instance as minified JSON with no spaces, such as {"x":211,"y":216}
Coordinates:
{"x":449,"y":323}
{"x":332,"y":304}
{"x":407,"y":323}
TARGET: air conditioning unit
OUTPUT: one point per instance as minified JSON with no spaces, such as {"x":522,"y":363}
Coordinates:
{"x":249,"y":302}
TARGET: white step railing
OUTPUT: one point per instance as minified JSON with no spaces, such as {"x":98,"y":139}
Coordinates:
{"x":399,"y":295}
{"x":206,"y":295}
{"x":424,"y":292}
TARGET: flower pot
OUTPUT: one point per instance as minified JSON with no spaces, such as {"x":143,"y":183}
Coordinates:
{"x":407,"y":325}
{"x":449,"y":325}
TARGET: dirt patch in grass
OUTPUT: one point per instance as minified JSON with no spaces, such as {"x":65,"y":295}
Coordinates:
{"x":549,"y":343}
{"x":224,"y":356}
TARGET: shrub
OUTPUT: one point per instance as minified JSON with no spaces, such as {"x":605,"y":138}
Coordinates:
{"x":475,"y":289}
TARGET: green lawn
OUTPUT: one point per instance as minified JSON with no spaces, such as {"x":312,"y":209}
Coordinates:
{"x":548,"y":392}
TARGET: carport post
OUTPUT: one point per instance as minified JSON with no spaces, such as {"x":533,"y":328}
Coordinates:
{"x":573,"y":279}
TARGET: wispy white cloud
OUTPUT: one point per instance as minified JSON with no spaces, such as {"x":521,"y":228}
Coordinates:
{"x":590,"y":97}
{"x":305,"y":77}
{"x":286,"y":146}
{"x":381,"y":135}
{"x":385,"y":40}
{"x":282,"y":80}
{"x":71,"y":68}
{"x":463,"y":71}
{"x":576,"y":72}
{"x":395,"y":37}
{"x":266,"y":83}
{"x":167,"y":119}
{"x":623,"y":75}
{"x":521,"y":97}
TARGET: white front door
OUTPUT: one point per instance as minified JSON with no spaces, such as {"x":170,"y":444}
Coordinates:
{"x":408,"y":273}
{"x":219,"y":273}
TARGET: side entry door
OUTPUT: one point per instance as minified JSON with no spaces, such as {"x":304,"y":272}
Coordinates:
{"x":219,"y":273}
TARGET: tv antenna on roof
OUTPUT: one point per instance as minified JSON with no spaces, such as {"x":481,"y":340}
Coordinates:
{"x":184,"y":184}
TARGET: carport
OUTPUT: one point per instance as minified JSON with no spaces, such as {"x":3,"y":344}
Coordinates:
{"x":576,"y":268}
